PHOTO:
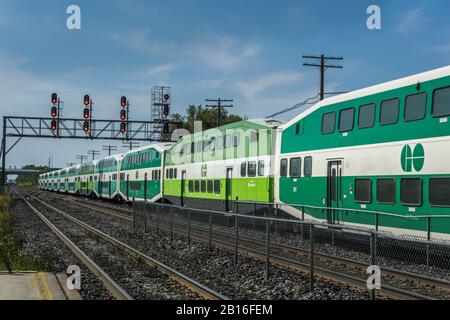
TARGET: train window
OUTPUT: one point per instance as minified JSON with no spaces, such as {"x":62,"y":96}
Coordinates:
{"x":297,"y":129}
{"x":261,"y":168}
{"x":157,"y":155}
{"x":386,"y":191}
{"x":389,"y":111}
{"x":210,"y":186}
{"x":219,"y":143}
{"x":243,"y":169}
{"x":295,"y":167}
{"x":197,"y":186}
{"x":346,"y":119}
{"x":328,"y":122}
{"x":212,"y":144}
{"x":203,"y":186}
{"x":363,"y":190}
{"x":366,"y":118}
{"x":167,"y":173}
{"x":228,"y":141}
{"x":415,"y":106}
{"x":217,"y":186}
{"x":254,"y":136}
{"x":181,"y":151}
{"x":307,"y":171}
{"x":137,"y":175}
{"x":411,"y":191}
{"x":191,"y":186}
{"x":283,"y":167}
{"x":236,"y":139}
{"x":171,"y":173}
{"x":441,"y":102}
{"x":439,"y":192}
{"x":251,"y":169}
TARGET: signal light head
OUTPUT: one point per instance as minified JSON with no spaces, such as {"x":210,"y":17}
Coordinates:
{"x":87,"y":100}
{"x":166,"y":128}
{"x":86,"y":113}
{"x":123,"y":102}
{"x":86,"y":126}
{"x":123,"y":127}
{"x":123,"y":115}
{"x":166,"y":110}
{"x":54,"y":112}
{"x":166,"y":97}
{"x":53,"y":125}
{"x":54,"y":98}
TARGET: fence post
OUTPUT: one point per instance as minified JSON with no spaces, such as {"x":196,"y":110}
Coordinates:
{"x":157,"y":220}
{"x":377,"y":221}
{"x":311,"y":271}
{"x":145,"y":216}
{"x":275,"y":227}
{"x":372,"y":259}
{"x":236,"y":240}
{"x":171,"y":224}
{"x":189,"y":227}
{"x":428,"y":239}
{"x":267,"y":248}
{"x":210,"y":233}
{"x":133,"y":224}
{"x":332,"y":236}
{"x":254,"y":214}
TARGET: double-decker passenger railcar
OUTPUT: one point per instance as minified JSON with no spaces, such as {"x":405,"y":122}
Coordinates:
{"x":107,"y":176}
{"x":85,"y":179}
{"x":385,"y":148}
{"x":212,"y":168}
{"x":141,"y":173}
{"x":71,"y":179}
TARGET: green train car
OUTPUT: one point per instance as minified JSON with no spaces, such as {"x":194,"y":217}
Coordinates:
{"x":106,"y":177}
{"x":85,"y":179}
{"x":212,"y":168}
{"x":141,"y":173}
{"x":381,"y":149}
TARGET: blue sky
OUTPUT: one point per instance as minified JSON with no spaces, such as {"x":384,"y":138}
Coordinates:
{"x":246,"y":50}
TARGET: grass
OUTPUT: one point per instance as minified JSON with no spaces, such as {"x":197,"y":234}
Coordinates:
{"x":12,"y":257}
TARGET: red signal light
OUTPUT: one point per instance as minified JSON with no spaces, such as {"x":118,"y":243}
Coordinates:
{"x":54,"y":98}
{"x":166,"y":97}
{"x":123,"y":127}
{"x":86,"y":126}
{"x":123,"y":102}
{"x":123,"y":115}
{"x":87,"y":100}
{"x":166,"y":110}
{"x":166,"y":127}
{"x":54,"y":112}
{"x":53,"y":125}
{"x":86,"y":113}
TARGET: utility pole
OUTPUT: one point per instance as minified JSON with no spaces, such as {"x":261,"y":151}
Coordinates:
{"x":130,"y":145}
{"x":219,"y":107}
{"x":322,"y":64}
{"x":82,"y":158}
{"x":93,"y":153}
{"x":109,"y":148}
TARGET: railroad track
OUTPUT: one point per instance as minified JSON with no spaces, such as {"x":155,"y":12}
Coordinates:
{"x":183,"y":280}
{"x":345,"y":270}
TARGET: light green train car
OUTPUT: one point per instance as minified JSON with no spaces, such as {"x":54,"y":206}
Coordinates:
{"x":213,"y":168}
{"x":107,"y":178}
{"x":85,"y":179}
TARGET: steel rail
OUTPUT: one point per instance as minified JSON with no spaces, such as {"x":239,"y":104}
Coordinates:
{"x":179,"y":277}
{"x":115,"y":289}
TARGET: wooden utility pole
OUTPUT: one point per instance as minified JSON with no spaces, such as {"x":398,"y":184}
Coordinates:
{"x":219,"y":107}
{"x":322,"y":64}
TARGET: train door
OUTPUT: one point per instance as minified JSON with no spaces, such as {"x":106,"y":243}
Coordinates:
{"x":183,"y":187}
{"x":334,"y":190}
{"x":228,"y":190}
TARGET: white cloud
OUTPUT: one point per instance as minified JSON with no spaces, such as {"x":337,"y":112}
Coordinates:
{"x":223,"y":52}
{"x":142,"y":42}
{"x":410,"y":20}
{"x":161,"y":70}
{"x":251,"y":88}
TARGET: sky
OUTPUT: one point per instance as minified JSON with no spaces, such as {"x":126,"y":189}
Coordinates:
{"x":246,"y":50}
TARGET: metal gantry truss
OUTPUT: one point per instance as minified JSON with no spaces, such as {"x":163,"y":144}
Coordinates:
{"x":38,"y":127}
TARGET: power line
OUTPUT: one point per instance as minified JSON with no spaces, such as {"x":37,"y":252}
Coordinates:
{"x":70,"y":164}
{"x":219,"y":107}
{"x":311,"y":100}
{"x":93,"y":153}
{"x":109,"y":148}
{"x":322,"y":64}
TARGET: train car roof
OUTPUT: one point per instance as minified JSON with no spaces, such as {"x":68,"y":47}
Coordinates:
{"x":390,"y":85}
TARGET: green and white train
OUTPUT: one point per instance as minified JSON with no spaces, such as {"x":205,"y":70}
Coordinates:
{"x":377,"y":153}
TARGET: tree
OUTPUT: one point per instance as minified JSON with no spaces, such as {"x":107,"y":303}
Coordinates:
{"x":31,"y":179}
{"x":207,"y":116}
